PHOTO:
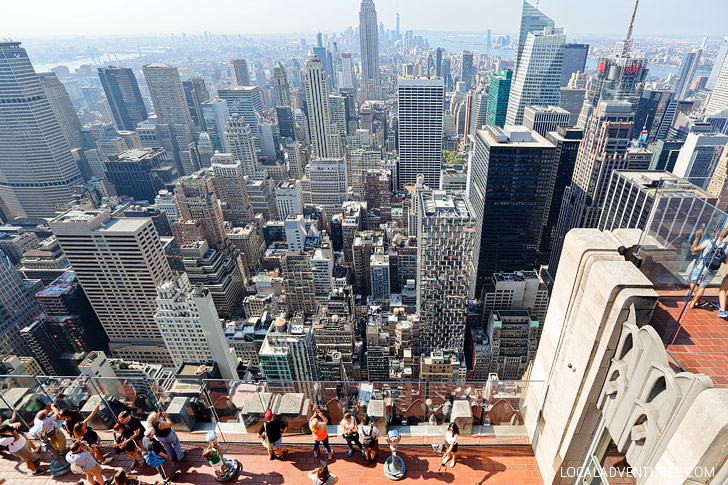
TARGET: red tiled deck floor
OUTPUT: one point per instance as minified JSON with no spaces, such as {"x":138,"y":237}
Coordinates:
{"x":701,"y":342}
{"x":476,"y":465}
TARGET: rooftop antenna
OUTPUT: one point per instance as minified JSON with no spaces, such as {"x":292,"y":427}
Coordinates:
{"x":627,"y":47}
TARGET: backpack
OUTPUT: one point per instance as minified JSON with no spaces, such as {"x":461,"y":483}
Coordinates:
{"x":153,"y":459}
{"x":76,"y":469}
{"x":368,"y":440}
{"x":714,"y":260}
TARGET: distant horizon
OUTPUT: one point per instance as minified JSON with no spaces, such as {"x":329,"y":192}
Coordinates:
{"x":253,"y":17}
{"x":312,"y":34}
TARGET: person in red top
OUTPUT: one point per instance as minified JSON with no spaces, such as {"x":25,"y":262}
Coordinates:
{"x":318,"y":429}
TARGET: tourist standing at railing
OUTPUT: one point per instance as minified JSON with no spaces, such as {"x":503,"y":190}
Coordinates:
{"x":370,"y":438}
{"x":452,"y":436}
{"x":82,"y":432}
{"x":82,"y":460}
{"x":125,"y":443}
{"x":48,"y":422}
{"x":350,"y":433}
{"x":18,"y":445}
{"x":272,"y":430}
{"x":705,"y":269}
{"x":136,"y":428}
{"x":69,"y":418}
{"x":320,"y":436}
{"x":165,"y":434}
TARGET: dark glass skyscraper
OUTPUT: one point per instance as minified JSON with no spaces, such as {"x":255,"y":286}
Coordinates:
{"x":37,"y":169}
{"x":125,"y":99}
{"x":574,"y":61}
{"x":510,"y":184}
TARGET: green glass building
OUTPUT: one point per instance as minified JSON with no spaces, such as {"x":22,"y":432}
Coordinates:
{"x":500,"y":89}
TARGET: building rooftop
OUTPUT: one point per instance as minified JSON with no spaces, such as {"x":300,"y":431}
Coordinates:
{"x":60,"y":286}
{"x":514,"y":136}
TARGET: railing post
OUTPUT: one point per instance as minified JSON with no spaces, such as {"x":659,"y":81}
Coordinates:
{"x":103,"y":399}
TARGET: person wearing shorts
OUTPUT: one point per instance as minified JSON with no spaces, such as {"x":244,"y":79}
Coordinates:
{"x":81,"y":456}
{"x":18,"y":446}
{"x":701,"y":275}
{"x":370,"y":438}
{"x":273,"y":429}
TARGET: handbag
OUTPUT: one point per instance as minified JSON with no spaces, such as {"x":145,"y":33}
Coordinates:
{"x":440,"y":448}
{"x":265,"y":441}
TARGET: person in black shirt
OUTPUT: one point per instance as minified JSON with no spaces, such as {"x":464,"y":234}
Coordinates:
{"x":124,"y":441}
{"x":273,"y":429}
{"x":134,"y":425}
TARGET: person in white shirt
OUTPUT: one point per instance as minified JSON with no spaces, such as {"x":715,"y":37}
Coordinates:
{"x":451,"y":439}
{"x":350,"y":433}
{"x":54,"y":433}
{"x":18,"y":446}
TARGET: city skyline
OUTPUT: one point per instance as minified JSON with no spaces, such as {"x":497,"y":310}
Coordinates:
{"x":244,"y":18}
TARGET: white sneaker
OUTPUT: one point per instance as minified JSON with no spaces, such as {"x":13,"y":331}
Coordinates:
{"x":452,"y":463}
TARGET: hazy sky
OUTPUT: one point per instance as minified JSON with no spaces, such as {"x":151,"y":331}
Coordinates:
{"x":134,"y":17}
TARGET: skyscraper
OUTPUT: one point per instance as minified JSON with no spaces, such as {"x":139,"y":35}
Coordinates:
{"x":719,"y":97}
{"x":239,"y":71}
{"x":369,"y":43}
{"x":617,"y":77}
{"x":197,"y":201}
{"x":191,"y":328}
{"x":538,"y":73}
{"x":196,"y":93}
{"x":498,"y":94}
{"x":603,"y":149}
{"x":419,"y":112}
{"x":241,"y":143}
{"x":298,"y":282}
{"x":347,"y":71}
{"x":37,"y":169}
{"x":173,"y":115}
{"x":509,"y":191}
{"x":686,"y":72}
{"x":655,"y":112}
{"x":532,"y":20}
{"x":215,"y":113}
{"x":566,"y":141}
{"x":543,"y":119}
{"x":63,"y":108}
{"x":229,"y":180}
{"x":119,"y":263}
{"x":140,"y":172}
{"x":476,"y":114}
{"x":466,"y":69}
{"x":124,"y":97}
{"x":574,"y":61}
{"x":325,"y":183}
{"x":17,"y":309}
{"x":280,"y":86}
{"x":325,"y":140}
{"x":446,"y":238}
{"x":718,"y":64}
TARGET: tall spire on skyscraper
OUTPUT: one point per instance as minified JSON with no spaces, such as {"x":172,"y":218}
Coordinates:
{"x":627,"y":45}
{"x":369,"y":44}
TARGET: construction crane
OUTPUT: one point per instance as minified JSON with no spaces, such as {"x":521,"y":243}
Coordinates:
{"x":365,"y":95}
